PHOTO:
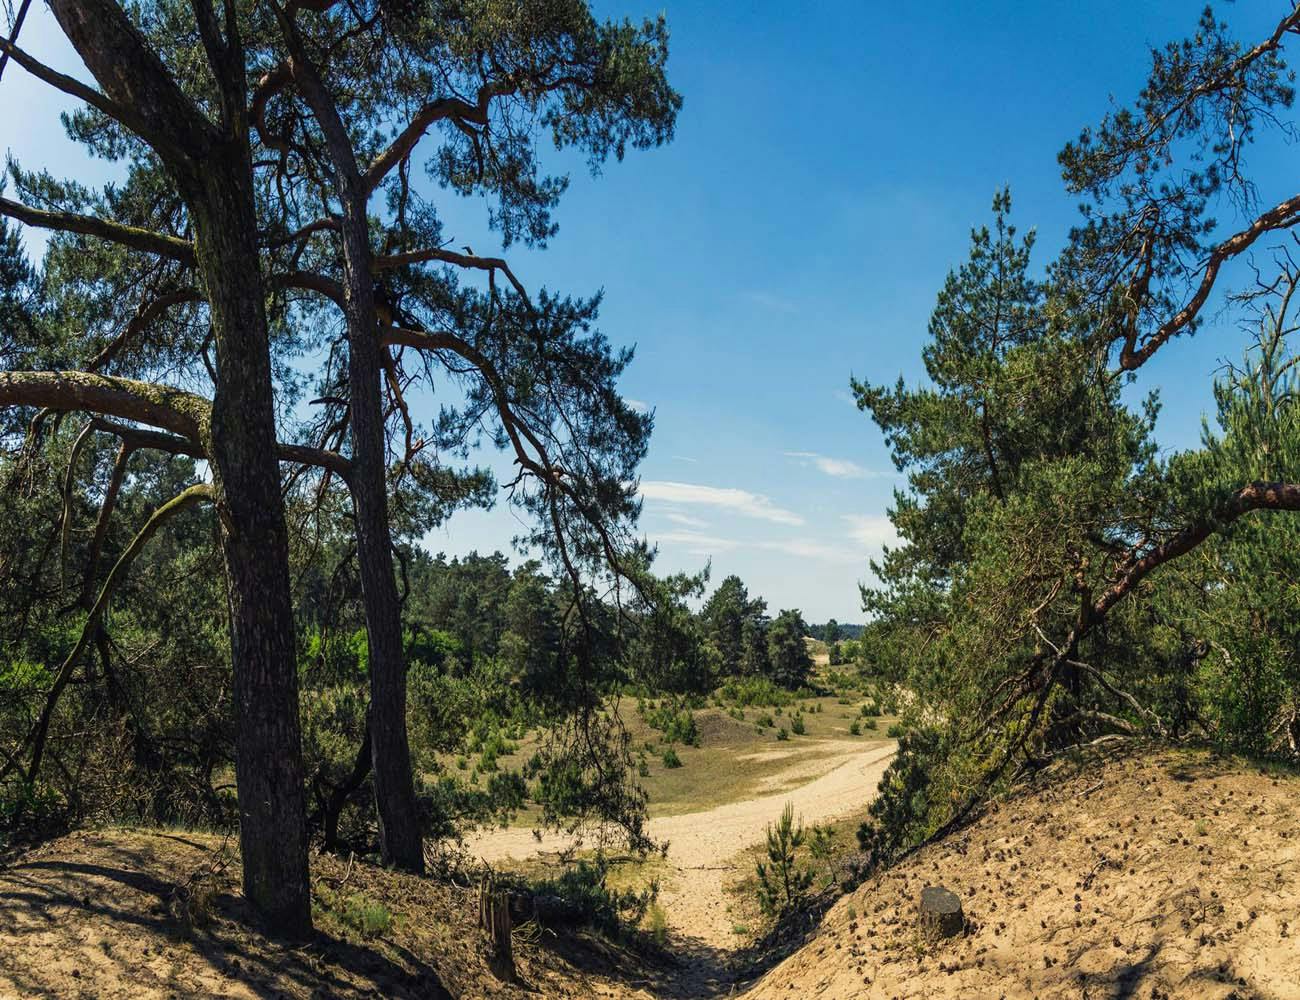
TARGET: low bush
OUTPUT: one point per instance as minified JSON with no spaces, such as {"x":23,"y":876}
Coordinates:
{"x":586,"y":892}
{"x":656,"y":924}
{"x":677,"y":725}
{"x":368,"y":917}
{"x":755,"y":691}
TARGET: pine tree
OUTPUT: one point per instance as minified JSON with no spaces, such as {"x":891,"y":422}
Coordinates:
{"x":788,"y":661}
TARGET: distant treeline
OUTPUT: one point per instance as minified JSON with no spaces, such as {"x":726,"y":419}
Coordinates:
{"x":834,"y":631}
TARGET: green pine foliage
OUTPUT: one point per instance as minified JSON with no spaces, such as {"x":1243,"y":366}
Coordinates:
{"x":783,"y":882}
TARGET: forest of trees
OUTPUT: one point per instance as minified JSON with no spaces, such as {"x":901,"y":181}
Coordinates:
{"x":247,"y":379}
{"x":266,"y":226}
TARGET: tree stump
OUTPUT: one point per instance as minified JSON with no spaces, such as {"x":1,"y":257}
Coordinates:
{"x":494,"y":919}
{"x":941,"y":915}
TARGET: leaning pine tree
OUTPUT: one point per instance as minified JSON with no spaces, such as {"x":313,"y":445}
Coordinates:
{"x":1025,"y":616}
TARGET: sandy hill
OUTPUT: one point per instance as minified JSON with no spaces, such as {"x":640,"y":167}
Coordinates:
{"x":154,"y":915}
{"x":1165,"y":876}
{"x":1168,"y":875}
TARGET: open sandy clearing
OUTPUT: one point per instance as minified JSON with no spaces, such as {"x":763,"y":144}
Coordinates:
{"x":702,"y":845}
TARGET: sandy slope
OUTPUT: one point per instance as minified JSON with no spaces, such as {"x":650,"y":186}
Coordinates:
{"x":701,"y":845}
{"x":93,"y":916}
{"x":1159,"y":875}
{"x":1169,"y":875}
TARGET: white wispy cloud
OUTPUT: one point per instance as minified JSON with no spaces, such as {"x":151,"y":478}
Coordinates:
{"x":639,"y":405}
{"x":740,"y":502}
{"x":871,"y":530}
{"x":806,"y":548}
{"x":697,"y":543}
{"x":685,"y":520}
{"x":839,"y":467}
{"x":687,"y":458}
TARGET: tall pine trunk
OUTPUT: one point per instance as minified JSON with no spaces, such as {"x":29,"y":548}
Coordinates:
{"x":212,"y":167}
{"x":255,"y":546}
{"x":400,"y":842}
{"x":399,"y":825}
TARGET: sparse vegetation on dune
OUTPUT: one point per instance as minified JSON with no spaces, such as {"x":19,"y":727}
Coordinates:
{"x":257,"y":740}
{"x":1142,"y":870}
{"x":90,"y":915}
{"x":1095,"y":880}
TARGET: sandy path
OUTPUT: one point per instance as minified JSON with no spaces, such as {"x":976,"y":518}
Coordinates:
{"x":702,"y":845}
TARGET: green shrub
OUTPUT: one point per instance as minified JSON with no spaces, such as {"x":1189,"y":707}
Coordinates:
{"x":368,"y":917}
{"x":920,"y":782}
{"x":822,"y":848}
{"x":765,"y":721}
{"x":855,"y":729}
{"x":840,"y":681}
{"x":895,"y":730}
{"x":585,"y":889}
{"x":782,"y":883}
{"x":754,"y":691}
{"x":677,"y":725}
{"x":671,"y":759}
{"x":796,"y":725}
{"x":447,"y":801}
{"x":781,"y":734}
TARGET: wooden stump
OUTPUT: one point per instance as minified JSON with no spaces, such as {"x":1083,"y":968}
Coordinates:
{"x":940,"y":915}
{"x":494,"y":919}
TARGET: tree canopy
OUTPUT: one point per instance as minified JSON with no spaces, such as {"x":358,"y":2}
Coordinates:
{"x":1060,"y":580}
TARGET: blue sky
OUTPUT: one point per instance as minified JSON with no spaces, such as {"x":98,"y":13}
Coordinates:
{"x":830,"y":161}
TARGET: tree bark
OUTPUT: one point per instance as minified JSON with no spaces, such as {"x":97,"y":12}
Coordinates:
{"x":399,"y":823}
{"x":212,"y":167}
{"x":255,"y":546}
{"x":400,"y":841}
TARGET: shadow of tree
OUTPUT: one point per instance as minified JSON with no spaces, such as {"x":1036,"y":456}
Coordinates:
{"x":126,"y":902}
